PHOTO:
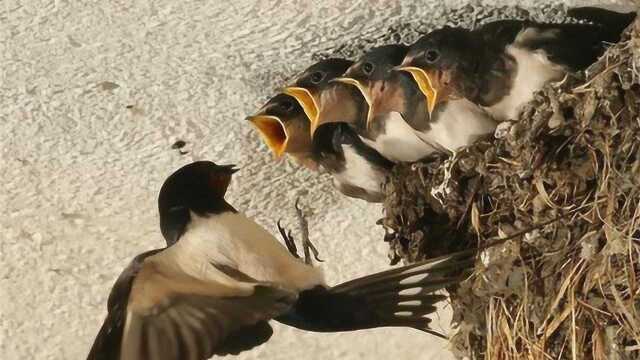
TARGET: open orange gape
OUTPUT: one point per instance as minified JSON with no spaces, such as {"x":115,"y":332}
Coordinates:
{"x":365,"y":94}
{"x":427,"y":85}
{"x":306,"y":101}
{"x":272,"y":131}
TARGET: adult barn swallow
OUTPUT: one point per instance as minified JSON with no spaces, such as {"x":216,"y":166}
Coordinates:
{"x":500,"y":65}
{"x":285,"y":129}
{"x":222,"y":277}
{"x":399,"y":126}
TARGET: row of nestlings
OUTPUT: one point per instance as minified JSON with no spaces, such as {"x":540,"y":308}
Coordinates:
{"x":402,"y":103}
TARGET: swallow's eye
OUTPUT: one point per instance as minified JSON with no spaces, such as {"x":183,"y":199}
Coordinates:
{"x":316,"y":77}
{"x":432,"y":55}
{"x":367,"y":68}
{"x":287,"y":105}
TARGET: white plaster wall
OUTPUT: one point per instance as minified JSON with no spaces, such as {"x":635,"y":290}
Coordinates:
{"x":79,"y":172}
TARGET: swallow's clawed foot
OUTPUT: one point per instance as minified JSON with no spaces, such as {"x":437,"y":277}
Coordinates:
{"x":289,"y":242}
{"x":307,"y":245}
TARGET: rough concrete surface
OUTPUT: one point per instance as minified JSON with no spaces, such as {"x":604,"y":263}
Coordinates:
{"x":93,"y":95}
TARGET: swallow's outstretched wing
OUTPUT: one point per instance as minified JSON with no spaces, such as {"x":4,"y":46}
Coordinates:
{"x":168,"y":314}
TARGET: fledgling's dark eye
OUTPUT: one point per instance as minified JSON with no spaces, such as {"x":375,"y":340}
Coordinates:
{"x":286,"y":105}
{"x":432,"y":55}
{"x":367,"y":68}
{"x":316,"y":77}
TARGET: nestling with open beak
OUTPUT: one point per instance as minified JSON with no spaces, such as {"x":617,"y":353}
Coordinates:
{"x":285,"y":136}
{"x":285,"y":130}
{"x":500,"y":65}
{"x":307,"y":87}
{"x":400,"y":126}
{"x":289,"y":120}
{"x":388,"y":125}
{"x":222,"y":277}
{"x":357,"y":170}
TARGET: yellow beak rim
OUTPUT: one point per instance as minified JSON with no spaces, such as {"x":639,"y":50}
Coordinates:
{"x":272,"y":131}
{"x":425,"y":84}
{"x":306,"y":101}
{"x":364,"y":91}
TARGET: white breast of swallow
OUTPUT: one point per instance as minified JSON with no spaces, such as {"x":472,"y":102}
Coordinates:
{"x":533,"y":71}
{"x":399,"y":142}
{"x":234,"y":240}
{"x":459,"y":123}
{"x":359,"y":172}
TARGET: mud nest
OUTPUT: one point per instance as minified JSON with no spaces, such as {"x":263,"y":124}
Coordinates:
{"x":559,"y":190}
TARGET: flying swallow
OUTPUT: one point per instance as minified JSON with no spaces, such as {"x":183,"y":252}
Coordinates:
{"x":222,"y":277}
